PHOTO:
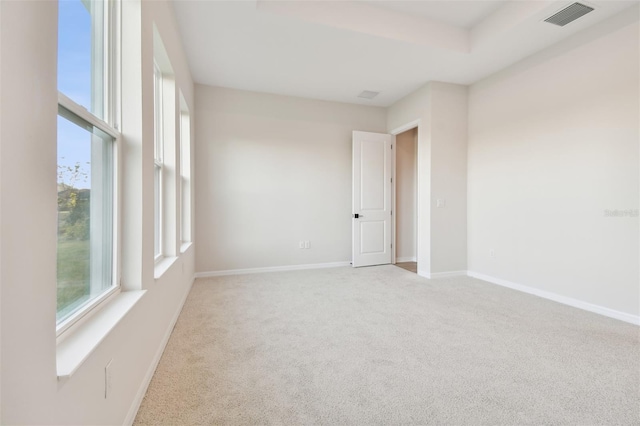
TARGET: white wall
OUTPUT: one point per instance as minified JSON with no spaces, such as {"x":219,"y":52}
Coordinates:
{"x":448,"y":177}
{"x":271,"y":171}
{"x":553,"y":143}
{"x":412,"y":108}
{"x":30,"y":391}
{"x":441,"y":109}
{"x":405,"y":211}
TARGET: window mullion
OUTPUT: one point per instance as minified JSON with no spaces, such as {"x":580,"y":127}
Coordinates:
{"x":82,"y":112}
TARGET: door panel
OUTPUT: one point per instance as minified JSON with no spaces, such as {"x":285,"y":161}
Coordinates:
{"x":372,"y":192}
{"x":371,"y":230}
{"x":372,"y":238}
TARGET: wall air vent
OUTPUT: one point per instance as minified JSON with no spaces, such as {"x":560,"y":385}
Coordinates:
{"x":368,"y":94}
{"x":569,"y":14}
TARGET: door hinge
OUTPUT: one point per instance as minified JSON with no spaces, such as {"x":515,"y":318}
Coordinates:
{"x":391,"y":146}
{"x":392,"y":212}
{"x":391,"y":180}
{"x":391,"y":245}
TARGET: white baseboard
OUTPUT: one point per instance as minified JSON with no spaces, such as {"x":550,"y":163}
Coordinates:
{"x":271,"y":269}
{"x":405,"y":259}
{"x":611,"y":313}
{"x":423,"y":274}
{"x":135,"y":405}
{"x":447,"y":274}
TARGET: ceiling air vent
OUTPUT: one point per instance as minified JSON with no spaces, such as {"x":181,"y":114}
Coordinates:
{"x":368,"y":94}
{"x":569,"y":14}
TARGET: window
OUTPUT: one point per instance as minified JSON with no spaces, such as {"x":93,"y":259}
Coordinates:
{"x":87,"y":147}
{"x":158,"y":164}
{"x":185,"y":172}
{"x":165,"y":158}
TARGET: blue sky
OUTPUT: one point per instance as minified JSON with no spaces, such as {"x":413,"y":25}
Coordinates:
{"x":74,"y":80}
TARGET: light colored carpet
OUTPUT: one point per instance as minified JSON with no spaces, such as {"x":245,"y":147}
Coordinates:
{"x":381,"y":345}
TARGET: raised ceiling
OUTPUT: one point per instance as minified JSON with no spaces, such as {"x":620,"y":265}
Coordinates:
{"x":333,"y":50}
{"x":461,"y":13}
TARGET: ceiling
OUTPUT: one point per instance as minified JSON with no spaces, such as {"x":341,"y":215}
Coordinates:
{"x":333,"y":50}
{"x":461,"y":13}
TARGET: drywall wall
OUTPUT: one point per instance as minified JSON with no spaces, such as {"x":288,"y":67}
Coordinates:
{"x":28,"y":110}
{"x":272,"y":171}
{"x":448,"y":177}
{"x":441,"y":110}
{"x":30,"y":391}
{"x":553,"y":147}
{"x":416,"y":108}
{"x":405,"y":210}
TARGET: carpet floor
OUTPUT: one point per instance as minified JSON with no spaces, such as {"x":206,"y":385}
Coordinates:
{"x":381,"y":345}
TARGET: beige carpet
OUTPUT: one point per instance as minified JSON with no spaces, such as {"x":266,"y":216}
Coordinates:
{"x":381,"y":345}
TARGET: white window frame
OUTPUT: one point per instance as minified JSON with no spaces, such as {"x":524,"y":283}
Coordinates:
{"x":110,"y":69}
{"x":158,"y":164}
{"x":184,"y":188}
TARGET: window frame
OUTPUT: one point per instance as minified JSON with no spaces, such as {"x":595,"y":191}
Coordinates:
{"x":109,"y":124}
{"x":184,"y":187}
{"x":158,"y":164}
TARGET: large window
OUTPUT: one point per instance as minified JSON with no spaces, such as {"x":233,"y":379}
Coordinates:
{"x":165,"y":161}
{"x":87,"y":147}
{"x":185,"y":173}
{"x":158,"y":170}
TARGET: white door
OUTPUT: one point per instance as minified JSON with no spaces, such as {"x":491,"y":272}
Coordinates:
{"x":371,"y":229}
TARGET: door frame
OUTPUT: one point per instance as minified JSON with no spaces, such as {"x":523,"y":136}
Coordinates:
{"x":415,"y":124}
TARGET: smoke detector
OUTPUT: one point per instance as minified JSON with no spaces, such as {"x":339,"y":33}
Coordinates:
{"x":368,"y":94}
{"x":569,"y":14}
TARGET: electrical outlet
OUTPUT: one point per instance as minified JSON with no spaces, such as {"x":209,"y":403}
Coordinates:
{"x":301,"y":244}
{"x":107,"y":379}
{"x":306,"y":244}
{"x":492,"y":253}
{"x":441,"y":202}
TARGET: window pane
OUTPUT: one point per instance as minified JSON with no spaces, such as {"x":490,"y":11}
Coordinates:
{"x":81,"y":48}
{"x":185,"y":229}
{"x":157,"y":153}
{"x":85,"y":213}
{"x":185,"y":177}
{"x":157,"y":110}
{"x":157,"y":176}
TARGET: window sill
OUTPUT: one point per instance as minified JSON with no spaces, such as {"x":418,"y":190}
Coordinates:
{"x":185,"y":246}
{"x":163,"y":266}
{"x":75,"y":349}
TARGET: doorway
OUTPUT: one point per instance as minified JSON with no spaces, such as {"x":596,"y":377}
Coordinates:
{"x":405,"y":198}
{"x":383,"y":233}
